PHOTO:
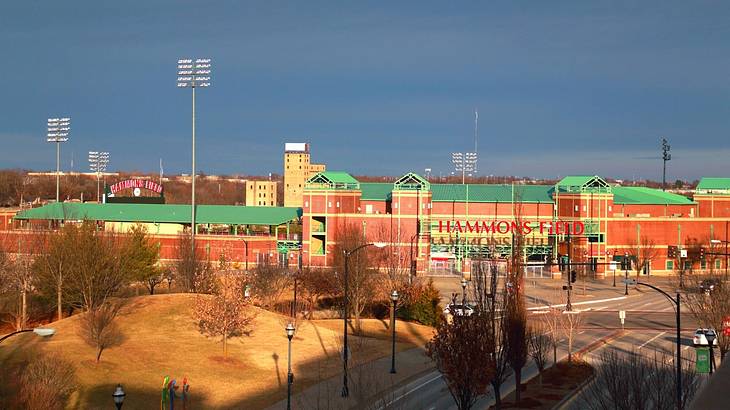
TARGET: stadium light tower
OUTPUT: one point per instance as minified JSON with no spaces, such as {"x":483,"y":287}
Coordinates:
{"x":98,"y":161}
{"x":58,"y":129}
{"x":464,"y":162}
{"x":666,"y":156}
{"x":193,"y":73}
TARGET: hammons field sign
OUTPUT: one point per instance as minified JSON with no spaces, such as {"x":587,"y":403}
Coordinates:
{"x":504,"y":227}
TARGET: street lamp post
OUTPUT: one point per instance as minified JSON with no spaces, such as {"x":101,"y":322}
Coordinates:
{"x":464,"y":282}
{"x":394,"y":298}
{"x":58,"y":129}
{"x":289,"y":376}
{"x":626,"y":273}
{"x":40,"y":331}
{"x":345,"y":351}
{"x":98,"y":162}
{"x":118,"y":396}
{"x":193,"y":74}
{"x":676,"y":302}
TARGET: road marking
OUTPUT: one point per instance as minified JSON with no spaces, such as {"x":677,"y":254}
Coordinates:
{"x":651,"y":340}
{"x":600,"y":308}
{"x":410,"y":391}
{"x":578,"y":303}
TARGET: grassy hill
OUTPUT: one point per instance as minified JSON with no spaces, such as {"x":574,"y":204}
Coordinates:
{"x":160,"y":338}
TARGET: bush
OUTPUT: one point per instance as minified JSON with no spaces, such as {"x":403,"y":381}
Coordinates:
{"x":423,"y":306}
{"x":47,"y":383}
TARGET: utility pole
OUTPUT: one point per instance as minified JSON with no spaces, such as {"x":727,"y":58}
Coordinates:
{"x":666,"y":156}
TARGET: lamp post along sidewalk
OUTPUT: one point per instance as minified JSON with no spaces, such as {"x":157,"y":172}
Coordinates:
{"x":345,"y":350}
{"x":193,"y":74}
{"x":58,"y":129}
{"x":289,"y":375}
{"x":394,"y":298}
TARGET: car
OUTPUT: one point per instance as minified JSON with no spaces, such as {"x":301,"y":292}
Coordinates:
{"x":708,"y":285}
{"x":700,"y":337}
{"x":458,"y":310}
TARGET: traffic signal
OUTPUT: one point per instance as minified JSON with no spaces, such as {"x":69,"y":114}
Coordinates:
{"x":671,"y":252}
{"x":702,"y":253}
{"x":624,"y":265}
{"x":573,"y":276}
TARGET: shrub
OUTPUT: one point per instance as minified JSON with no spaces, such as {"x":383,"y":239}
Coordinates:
{"x":423,"y":306}
{"x":47,"y":383}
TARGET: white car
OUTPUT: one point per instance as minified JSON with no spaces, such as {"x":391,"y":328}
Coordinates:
{"x":700,"y":337}
{"x":458,"y":310}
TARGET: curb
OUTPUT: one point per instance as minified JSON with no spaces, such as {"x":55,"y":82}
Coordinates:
{"x":570,"y":397}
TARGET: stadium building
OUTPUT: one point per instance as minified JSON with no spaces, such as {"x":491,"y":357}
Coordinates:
{"x":442,"y":228}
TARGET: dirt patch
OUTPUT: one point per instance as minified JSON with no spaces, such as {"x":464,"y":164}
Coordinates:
{"x":558,"y":382}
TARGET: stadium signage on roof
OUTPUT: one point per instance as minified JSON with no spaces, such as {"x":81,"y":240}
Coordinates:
{"x":136,"y":183}
{"x":504,"y":227}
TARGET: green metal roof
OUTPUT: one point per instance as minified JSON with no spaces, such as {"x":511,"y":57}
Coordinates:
{"x":411,"y":181}
{"x":583,"y":183}
{"x":491,"y":193}
{"x":376,"y":191}
{"x":205,"y":214}
{"x":709,"y":184}
{"x":648,"y":196}
{"x":333,"y":180}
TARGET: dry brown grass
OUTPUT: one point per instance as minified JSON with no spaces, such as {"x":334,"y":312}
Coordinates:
{"x":160,"y":338}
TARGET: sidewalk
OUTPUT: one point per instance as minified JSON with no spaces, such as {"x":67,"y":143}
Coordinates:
{"x":542,"y":292}
{"x":368,"y":383}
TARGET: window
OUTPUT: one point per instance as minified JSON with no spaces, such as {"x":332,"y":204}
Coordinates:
{"x":610,"y":208}
{"x":329,"y":204}
{"x":687,"y":265}
{"x":338,"y":204}
{"x":584,"y":208}
{"x":717,"y":263}
{"x":670,"y":264}
{"x":368,"y":209}
{"x":576,"y":208}
{"x":306,"y":204}
{"x":703,"y":264}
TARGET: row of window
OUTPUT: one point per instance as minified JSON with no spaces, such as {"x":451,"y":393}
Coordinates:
{"x":688,"y":264}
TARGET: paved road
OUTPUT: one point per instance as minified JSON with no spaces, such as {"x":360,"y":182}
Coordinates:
{"x":650,"y":329}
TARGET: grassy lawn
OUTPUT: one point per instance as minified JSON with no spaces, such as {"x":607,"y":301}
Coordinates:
{"x":160,"y":338}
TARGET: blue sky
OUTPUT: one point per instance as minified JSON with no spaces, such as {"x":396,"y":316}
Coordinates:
{"x":375,"y":87}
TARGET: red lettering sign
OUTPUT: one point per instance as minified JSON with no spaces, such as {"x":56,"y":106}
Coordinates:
{"x":136,"y":183}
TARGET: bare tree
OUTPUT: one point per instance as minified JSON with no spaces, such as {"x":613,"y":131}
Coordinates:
{"x":570,"y":322}
{"x":316,"y":283}
{"x":362,"y":277}
{"x":463,"y":351}
{"x":709,"y":308}
{"x":539,"y":343}
{"x":226,"y":313}
{"x":551,"y":321}
{"x":18,"y":277}
{"x":515,"y":315}
{"x":642,"y":252}
{"x":98,"y":327}
{"x":96,"y":269}
{"x":270,"y":283}
{"x":192,"y":271}
{"x":50,"y":267}
{"x":632,"y":381}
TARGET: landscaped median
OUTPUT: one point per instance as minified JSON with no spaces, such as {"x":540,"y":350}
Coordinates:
{"x":160,"y":338}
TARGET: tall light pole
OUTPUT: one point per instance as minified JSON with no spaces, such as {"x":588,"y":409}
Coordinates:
{"x":58,"y":129}
{"x":464,"y":162}
{"x":666,"y":156}
{"x":98,"y":162}
{"x":193,"y":74}
{"x":345,"y":350}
